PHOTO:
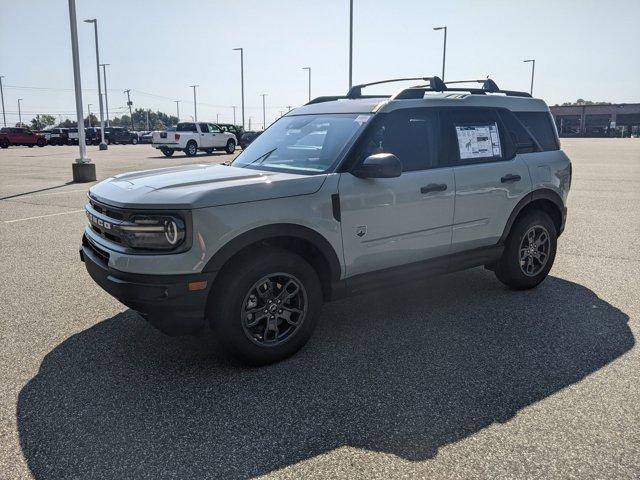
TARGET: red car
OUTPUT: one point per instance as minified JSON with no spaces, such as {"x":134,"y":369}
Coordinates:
{"x":20,"y":136}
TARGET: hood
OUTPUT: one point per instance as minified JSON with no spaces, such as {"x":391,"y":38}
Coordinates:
{"x":198,"y":186}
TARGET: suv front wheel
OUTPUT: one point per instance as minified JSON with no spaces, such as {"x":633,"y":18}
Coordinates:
{"x":265,"y":306}
{"x":529,"y":251}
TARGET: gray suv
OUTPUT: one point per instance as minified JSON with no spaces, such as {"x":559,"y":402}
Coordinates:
{"x":338,"y":197}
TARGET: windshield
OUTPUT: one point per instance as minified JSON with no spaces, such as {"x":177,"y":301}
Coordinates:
{"x":302,"y":144}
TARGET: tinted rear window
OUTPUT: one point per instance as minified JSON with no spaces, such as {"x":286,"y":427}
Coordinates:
{"x":186,"y":127}
{"x":539,"y":124}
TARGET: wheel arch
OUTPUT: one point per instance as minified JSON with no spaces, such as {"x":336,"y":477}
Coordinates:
{"x":304,"y":241}
{"x":543,"y":199}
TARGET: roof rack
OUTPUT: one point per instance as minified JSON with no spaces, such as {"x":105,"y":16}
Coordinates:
{"x":435,"y":84}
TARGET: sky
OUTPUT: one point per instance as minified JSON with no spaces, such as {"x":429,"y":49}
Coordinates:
{"x":583,"y":49}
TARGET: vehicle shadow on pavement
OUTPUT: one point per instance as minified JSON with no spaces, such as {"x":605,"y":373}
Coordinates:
{"x":403,"y":372}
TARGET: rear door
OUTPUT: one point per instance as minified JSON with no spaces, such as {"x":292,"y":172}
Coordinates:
{"x":206,"y":138}
{"x":388,"y":222}
{"x":490,"y":178}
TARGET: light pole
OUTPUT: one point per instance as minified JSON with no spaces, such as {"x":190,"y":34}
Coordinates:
{"x":264,"y":115}
{"x":309,"y":69}
{"x":532,"y":61}
{"x":89,"y":110}
{"x":103,"y":145}
{"x":444,"y":50}
{"x":106,"y":94}
{"x":195,"y":108}
{"x":178,"y":108}
{"x":19,"y":113}
{"x":241,"y":50}
{"x":217,"y":118}
{"x":83,"y":170}
{"x":129,"y":103}
{"x":234,"y":113}
{"x":350,"y":43}
{"x":4,"y":116}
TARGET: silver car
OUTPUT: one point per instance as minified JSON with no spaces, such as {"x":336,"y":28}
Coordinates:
{"x":338,"y":197}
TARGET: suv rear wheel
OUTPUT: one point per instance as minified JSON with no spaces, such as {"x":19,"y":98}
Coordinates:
{"x":231,"y":146}
{"x":265,"y":306}
{"x":167,"y":152}
{"x":4,"y":143}
{"x":192,"y":149}
{"x":529,"y":251}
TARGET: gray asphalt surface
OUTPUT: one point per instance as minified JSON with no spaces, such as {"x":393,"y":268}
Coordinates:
{"x":456,"y":377}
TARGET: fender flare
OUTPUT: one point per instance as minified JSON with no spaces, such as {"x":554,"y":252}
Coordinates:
{"x":540,"y":194}
{"x":273,"y":231}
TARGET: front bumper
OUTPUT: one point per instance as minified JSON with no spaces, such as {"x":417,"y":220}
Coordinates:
{"x":168,"y":302}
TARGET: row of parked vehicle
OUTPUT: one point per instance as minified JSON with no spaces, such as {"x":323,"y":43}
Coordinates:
{"x":25,"y":136}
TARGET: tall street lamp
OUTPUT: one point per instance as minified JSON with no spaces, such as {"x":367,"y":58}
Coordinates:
{"x":444,"y":51}
{"x":241,"y":50}
{"x":195,"y":108}
{"x":89,"y":117}
{"x":83,"y":170}
{"x":103,"y":145}
{"x":4,"y":116}
{"x":19,"y":112}
{"x":350,"y":43}
{"x":106,"y":93}
{"x":264,"y":115}
{"x":177,"y":108}
{"x":532,"y":61}
{"x":234,"y":113}
{"x":309,"y":69}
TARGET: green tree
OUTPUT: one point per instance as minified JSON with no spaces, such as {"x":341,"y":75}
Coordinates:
{"x":41,"y":121}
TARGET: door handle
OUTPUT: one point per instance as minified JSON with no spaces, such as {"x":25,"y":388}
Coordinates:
{"x":510,"y":177}
{"x":433,"y":187}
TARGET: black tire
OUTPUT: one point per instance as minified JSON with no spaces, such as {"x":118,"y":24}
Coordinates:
{"x":30,"y":145}
{"x":510,"y":269}
{"x":41,"y":142}
{"x":4,"y":143}
{"x":209,"y":151}
{"x":233,"y":288}
{"x":134,"y":141}
{"x":167,"y":152}
{"x":231,"y":147}
{"x":96,"y":142}
{"x":191,"y":149}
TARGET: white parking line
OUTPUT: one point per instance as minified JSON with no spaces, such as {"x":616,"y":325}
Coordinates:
{"x":52,"y":193}
{"x":42,"y":216}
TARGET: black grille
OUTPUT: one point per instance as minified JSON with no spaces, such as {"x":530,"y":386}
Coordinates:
{"x":99,"y":252}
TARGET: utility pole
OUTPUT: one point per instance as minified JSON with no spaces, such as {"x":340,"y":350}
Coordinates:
{"x":249,"y":123}
{"x":83,"y":170}
{"x":309,"y":69}
{"x":129,"y":102}
{"x":195,"y":108}
{"x":234,"y":114}
{"x":103,"y":145}
{"x":106,"y":94}
{"x":89,"y":109}
{"x":4,"y":116}
{"x":532,"y":61}
{"x":147,"y":119}
{"x":242,"y":81}
{"x":19,"y":112}
{"x":178,"y":108}
{"x":444,"y":51}
{"x":350,"y":43}
{"x":288,"y":108}
{"x":281,"y":113}
{"x":264,"y":114}
{"x":217,"y":118}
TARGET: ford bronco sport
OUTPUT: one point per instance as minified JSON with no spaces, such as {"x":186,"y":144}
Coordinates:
{"x":338,"y":197}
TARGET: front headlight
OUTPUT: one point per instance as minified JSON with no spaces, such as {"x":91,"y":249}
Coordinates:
{"x":154,"y":232}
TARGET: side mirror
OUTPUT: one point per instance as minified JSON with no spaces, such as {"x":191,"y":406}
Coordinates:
{"x":380,"y":165}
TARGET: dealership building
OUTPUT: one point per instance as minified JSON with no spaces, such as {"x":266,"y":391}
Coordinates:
{"x":616,"y":120}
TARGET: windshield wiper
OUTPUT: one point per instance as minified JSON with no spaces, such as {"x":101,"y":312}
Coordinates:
{"x":262,"y":157}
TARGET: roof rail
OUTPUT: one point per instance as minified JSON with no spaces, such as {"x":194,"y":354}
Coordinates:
{"x":434,"y":82}
{"x":488,"y":85}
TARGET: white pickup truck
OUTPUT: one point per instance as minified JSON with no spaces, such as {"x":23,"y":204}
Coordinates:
{"x":193,"y":136}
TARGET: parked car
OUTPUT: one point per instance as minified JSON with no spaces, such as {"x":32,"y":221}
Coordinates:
{"x":73,"y":136}
{"x":58,"y":136}
{"x":92,"y":136}
{"x":236,"y":130}
{"x":20,"y":136}
{"x":191,"y":137}
{"x":120,"y":135}
{"x":145,"y":137}
{"x":431,"y":180}
{"x":247,"y":138}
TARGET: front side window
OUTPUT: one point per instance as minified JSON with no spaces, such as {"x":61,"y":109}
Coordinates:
{"x":214,"y":128}
{"x":411,"y":135}
{"x":303,"y":143}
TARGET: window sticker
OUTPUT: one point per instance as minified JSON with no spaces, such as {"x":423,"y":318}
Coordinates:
{"x":479,"y":141}
{"x":362,"y":119}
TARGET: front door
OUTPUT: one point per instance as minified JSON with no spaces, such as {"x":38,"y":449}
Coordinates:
{"x":394,"y":221}
{"x":219,"y":140}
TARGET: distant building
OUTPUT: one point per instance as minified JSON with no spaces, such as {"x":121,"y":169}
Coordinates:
{"x":617,"y":120}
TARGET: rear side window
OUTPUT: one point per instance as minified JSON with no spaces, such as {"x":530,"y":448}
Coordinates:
{"x":410,"y":134}
{"x":474,"y":136}
{"x":540,"y":126}
{"x":186,"y":127}
{"x":522,"y":139}
{"x":204,"y":128}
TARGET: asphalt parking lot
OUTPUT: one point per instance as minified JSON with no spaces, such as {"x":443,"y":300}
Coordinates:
{"x":456,"y":377}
